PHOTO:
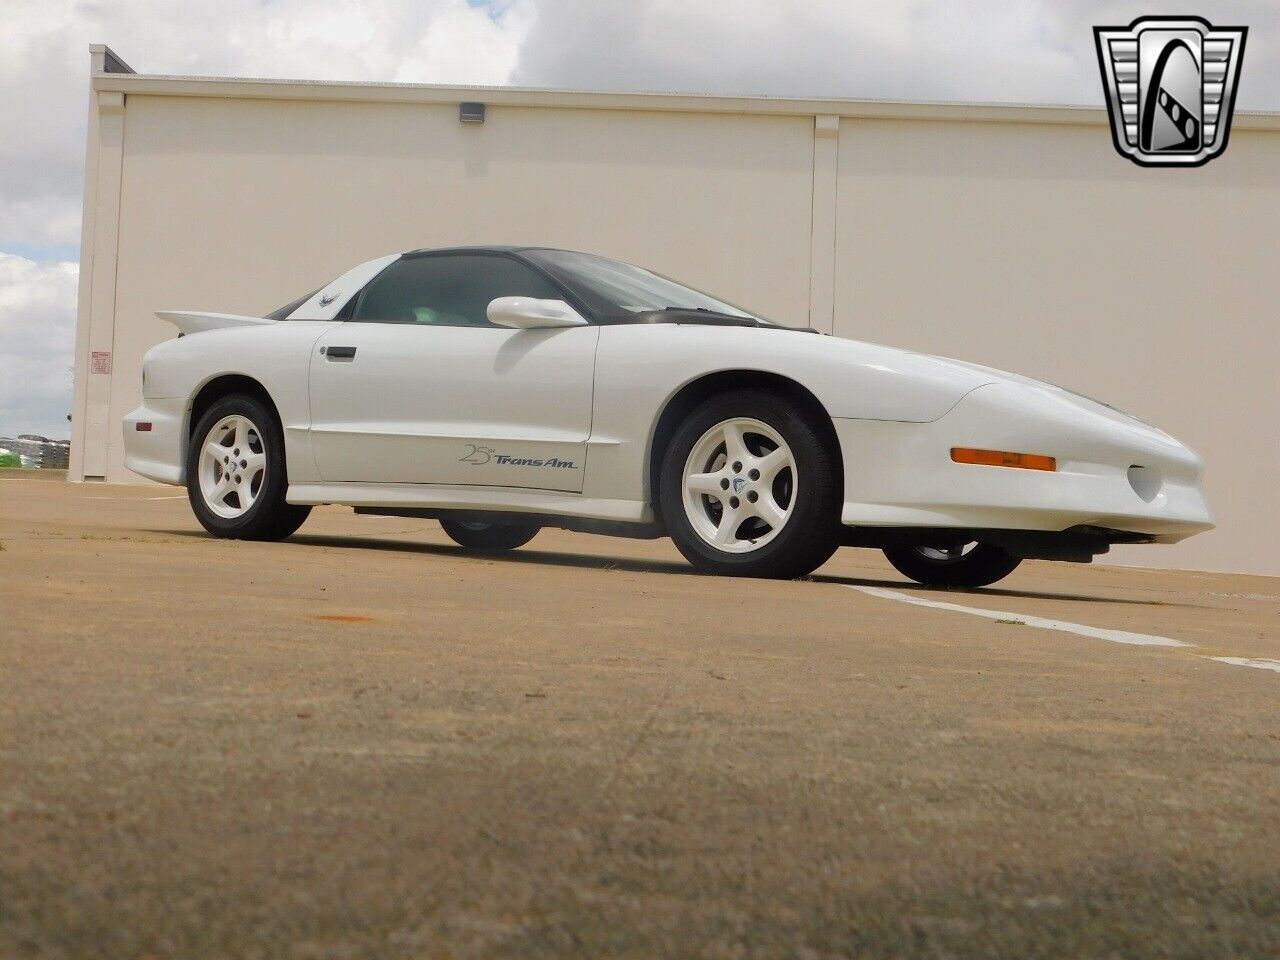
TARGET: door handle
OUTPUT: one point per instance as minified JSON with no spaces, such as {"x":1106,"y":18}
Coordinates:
{"x":339,"y":353}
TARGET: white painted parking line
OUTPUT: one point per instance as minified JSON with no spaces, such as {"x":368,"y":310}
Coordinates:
{"x":1098,"y":633}
{"x":1261,"y":663}
{"x":1115,"y":636}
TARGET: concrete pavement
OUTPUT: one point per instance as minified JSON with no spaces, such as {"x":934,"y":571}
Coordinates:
{"x":364,"y":742}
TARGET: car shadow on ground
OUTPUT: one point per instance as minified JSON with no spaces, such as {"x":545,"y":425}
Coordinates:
{"x":526,"y":555}
{"x":593,"y":561}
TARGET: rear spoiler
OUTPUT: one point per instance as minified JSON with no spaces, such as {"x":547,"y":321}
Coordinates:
{"x":192,"y":322}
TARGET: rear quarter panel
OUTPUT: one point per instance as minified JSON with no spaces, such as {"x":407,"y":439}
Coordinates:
{"x":277,"y":356}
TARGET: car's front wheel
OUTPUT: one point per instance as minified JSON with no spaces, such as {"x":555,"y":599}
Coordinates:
{"x":750,"y":487}
{"x":480,"y":535}
{"x":963,"y":565}
{"x":236,"y":477}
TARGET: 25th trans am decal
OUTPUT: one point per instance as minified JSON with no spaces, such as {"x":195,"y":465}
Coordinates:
{"x":478,"y":456}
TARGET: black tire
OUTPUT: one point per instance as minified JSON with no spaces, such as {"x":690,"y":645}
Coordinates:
{"x":489,"y":537}
{"x":980,"y":567}
{"x":269,"y":517}
{"x":810,"y":534}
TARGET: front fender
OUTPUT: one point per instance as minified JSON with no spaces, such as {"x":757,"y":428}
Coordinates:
{"x":640,"y":367}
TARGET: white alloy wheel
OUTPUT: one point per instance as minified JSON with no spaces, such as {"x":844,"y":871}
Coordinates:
{"x":739,"y":485}
{"x":233,"y":466}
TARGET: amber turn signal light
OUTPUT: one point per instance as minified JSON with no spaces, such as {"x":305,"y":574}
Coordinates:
{"x":1003,"y":458}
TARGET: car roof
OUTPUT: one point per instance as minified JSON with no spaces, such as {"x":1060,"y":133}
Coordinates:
{"x":484,"y":248}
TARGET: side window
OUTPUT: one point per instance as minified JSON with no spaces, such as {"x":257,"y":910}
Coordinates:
{"x":450,"y":290}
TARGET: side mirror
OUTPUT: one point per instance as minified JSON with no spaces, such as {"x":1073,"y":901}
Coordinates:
{"x":527,"y":313}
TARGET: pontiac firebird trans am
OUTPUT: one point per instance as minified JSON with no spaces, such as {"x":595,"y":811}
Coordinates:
{"x":503,"y":389}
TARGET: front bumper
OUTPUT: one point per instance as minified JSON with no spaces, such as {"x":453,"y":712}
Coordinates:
{"x":901,"y":474}
{"x":158,"y":453}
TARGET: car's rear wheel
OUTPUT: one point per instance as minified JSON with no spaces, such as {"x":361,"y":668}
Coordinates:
{"x":481,"y":535}
{"x":749,"y":487}
{"x":236,"y":477}
{"x":960,"y":565}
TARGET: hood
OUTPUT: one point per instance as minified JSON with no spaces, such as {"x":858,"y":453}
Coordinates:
{"x":966,"y":376}
{"x":1003,"y":376}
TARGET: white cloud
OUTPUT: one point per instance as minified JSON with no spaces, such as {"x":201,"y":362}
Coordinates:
{"x":468,"y":42}
{"x":42,"y":221}
{"x":37,"y":336}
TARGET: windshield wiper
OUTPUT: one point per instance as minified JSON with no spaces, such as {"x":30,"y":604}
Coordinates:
{"x":709,"y":312}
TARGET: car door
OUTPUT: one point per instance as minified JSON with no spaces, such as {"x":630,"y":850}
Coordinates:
{"x":419,"y":387}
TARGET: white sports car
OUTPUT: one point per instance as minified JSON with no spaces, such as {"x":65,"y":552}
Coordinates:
{"x":503,"y":389}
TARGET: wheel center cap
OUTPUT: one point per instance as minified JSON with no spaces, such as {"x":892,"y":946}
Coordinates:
{"x":738,"y":484}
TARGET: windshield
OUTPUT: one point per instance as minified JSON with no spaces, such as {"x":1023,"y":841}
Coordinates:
{"x":616,"y":290}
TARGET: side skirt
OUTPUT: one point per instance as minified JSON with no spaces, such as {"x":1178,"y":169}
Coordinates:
{"x":606,"y":528}
{"x":440,"y":497}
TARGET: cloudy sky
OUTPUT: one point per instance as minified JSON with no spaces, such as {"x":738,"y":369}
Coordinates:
{"x":1031,"y":51}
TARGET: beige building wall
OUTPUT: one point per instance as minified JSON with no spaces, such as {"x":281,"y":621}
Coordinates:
{"x":1033,"y":247}
{"x":1010,"y":236}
